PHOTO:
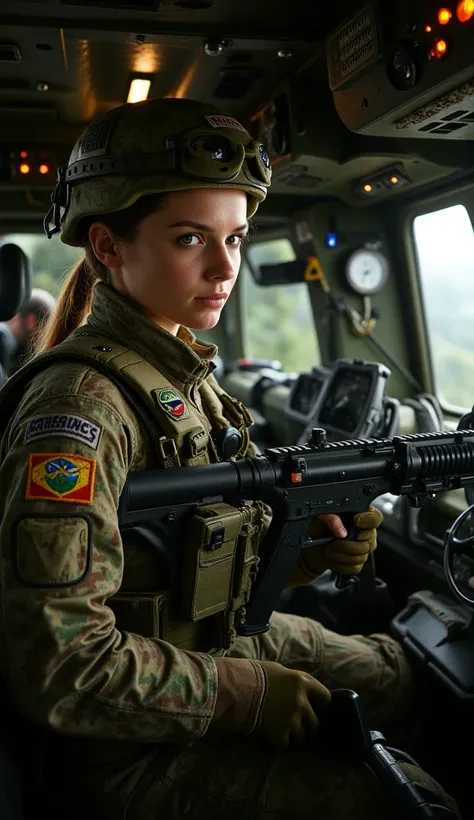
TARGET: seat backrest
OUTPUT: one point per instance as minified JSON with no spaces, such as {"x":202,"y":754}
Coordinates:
{"x":15,"y":280}
{"x":11,"y":804}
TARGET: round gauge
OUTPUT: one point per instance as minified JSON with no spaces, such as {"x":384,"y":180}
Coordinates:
{"x":367,"y":271}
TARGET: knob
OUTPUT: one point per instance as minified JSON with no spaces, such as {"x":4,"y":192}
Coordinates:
{"x":318,"y":437}
{"x":228,"y":442}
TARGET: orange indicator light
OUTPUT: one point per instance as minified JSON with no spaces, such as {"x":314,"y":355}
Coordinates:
{"x":439,"y":49}
{"x":465,"y":10}
{"x":444,"y":16}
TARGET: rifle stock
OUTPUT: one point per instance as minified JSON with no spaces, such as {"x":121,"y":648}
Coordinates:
{"x":297,"y":482}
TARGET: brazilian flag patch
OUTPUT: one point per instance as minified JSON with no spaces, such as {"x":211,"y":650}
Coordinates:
{"x":61,"y":477}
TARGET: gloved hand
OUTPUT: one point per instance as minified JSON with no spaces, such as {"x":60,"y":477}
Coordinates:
{"x":287,"y":714}
{"x":341,"y":555}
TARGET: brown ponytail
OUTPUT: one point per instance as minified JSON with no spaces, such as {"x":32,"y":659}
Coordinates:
{"x":74,"y":303}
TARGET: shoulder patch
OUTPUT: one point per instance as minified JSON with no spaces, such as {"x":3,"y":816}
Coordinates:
{"x":61,"y":477}
{"x":75,"y":427}
{"x":172,"y":403}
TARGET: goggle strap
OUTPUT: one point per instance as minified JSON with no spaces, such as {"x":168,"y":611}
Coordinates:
{"x":106,"y":166}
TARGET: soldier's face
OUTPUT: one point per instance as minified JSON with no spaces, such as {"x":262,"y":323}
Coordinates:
{"x":184,"y":261}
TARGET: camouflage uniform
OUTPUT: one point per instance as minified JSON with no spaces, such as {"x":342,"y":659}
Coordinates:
{"x":126,"y":718}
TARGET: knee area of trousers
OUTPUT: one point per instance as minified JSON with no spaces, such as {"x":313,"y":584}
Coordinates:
{"x":394,"y":661}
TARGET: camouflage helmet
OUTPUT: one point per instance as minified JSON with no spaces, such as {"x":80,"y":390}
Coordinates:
{"x":151,"y":147}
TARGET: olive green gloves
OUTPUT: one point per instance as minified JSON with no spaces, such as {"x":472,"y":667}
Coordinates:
{"x":342,"y":555}
{"x":287,"y":714}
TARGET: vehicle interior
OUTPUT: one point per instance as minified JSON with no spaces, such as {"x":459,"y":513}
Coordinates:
{"x":352,"y":311}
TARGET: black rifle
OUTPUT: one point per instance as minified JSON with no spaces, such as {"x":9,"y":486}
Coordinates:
{"x":298,"y":483}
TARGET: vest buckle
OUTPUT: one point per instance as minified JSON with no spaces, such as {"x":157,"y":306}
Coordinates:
{"x":168,"y":452}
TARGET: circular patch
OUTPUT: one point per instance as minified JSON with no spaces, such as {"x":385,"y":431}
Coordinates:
{"x":172,"y":403}
{"x":61,"y":475}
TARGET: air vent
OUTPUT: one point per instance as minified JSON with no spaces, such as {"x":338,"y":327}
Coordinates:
{"x":449,"y":128}
{"x":454,"y":116}
{"x":132,"y":5}
{"x":449,"y":124}
{"x":9,"y":53}
{"x":298,"y":176}
{"x":236,"y":82}
{"x":352,"y":47}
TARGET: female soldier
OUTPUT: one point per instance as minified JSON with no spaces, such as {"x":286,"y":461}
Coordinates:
{"x":148,"y":708}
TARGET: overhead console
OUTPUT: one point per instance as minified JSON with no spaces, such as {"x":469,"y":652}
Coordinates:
{"x":404,"y":69}
{"x":23,"y":165}
{"x":349,"y":400}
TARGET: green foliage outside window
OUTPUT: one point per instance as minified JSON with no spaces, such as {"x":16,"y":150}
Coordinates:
{"x":279,"y":319}
{"x":444,"y":243}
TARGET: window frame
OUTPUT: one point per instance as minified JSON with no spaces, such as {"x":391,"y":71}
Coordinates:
{"x":463,"y":195}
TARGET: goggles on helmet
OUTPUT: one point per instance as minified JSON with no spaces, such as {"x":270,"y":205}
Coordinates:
{"x":197,"y":154}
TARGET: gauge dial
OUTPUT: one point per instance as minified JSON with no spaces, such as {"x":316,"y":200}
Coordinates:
{"x":367,"y":271}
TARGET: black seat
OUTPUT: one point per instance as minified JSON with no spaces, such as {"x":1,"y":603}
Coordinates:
{"x":15,"y":280}
{"x":15,"y":288}
{"x":11,"y":803}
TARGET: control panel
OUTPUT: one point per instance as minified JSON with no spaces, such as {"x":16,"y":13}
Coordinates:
{"x":27,"y":165}
{"x":349,"y":400}
{"x":404,"y":69}
{"x":305,"y":392}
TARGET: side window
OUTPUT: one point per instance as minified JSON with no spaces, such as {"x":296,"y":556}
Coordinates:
{"x":444,"y":242}
{"x":50,"y":259}
{"x":280,"y":322}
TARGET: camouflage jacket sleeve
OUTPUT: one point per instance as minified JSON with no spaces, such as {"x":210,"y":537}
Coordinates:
{"x":65,"y":459}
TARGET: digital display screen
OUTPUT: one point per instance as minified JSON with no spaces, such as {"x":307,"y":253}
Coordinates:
{"x":346,"y":401}
{"x":307,"y":389}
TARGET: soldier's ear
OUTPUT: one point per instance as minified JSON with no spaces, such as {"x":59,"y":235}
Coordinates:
{"x":105,"y":245}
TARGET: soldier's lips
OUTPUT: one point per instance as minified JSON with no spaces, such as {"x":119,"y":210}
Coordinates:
{"x":215,"y":301}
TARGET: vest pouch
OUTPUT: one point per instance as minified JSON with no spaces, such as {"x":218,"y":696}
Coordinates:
{"x":153,"y":615}
{"x":247,"y":560}
{"x":209,"y":557}
{"x":138,"y":612}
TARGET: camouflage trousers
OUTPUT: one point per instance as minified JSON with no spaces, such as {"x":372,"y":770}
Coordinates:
{"x":237,"y":778}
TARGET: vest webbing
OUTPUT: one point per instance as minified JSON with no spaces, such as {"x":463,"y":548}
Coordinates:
{"x":125,"y":368}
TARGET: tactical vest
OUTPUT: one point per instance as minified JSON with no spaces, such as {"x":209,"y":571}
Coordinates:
{"x":201,"y":608}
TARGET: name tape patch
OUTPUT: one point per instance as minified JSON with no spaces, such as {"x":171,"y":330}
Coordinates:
{"x":218,"y":121}
{"x":61,"y":477}
{"x":74,"y":427}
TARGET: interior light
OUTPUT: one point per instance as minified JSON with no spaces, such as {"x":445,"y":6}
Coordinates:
{"x":394,"y":180}
{"x":444,"y":16}
{"x":465,"y":10}
{"x":368,"y":188}
{"x":439,"y":49}
{"x":428,"y":29}
{"x":139,"y":89}
{"x":43,"y":169}
{"x":24,"y":168}
{"x":23,"y":154}
{"x":331,"y":240}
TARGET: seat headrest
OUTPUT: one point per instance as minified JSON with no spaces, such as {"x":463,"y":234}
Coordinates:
{"x":15,"y":280}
